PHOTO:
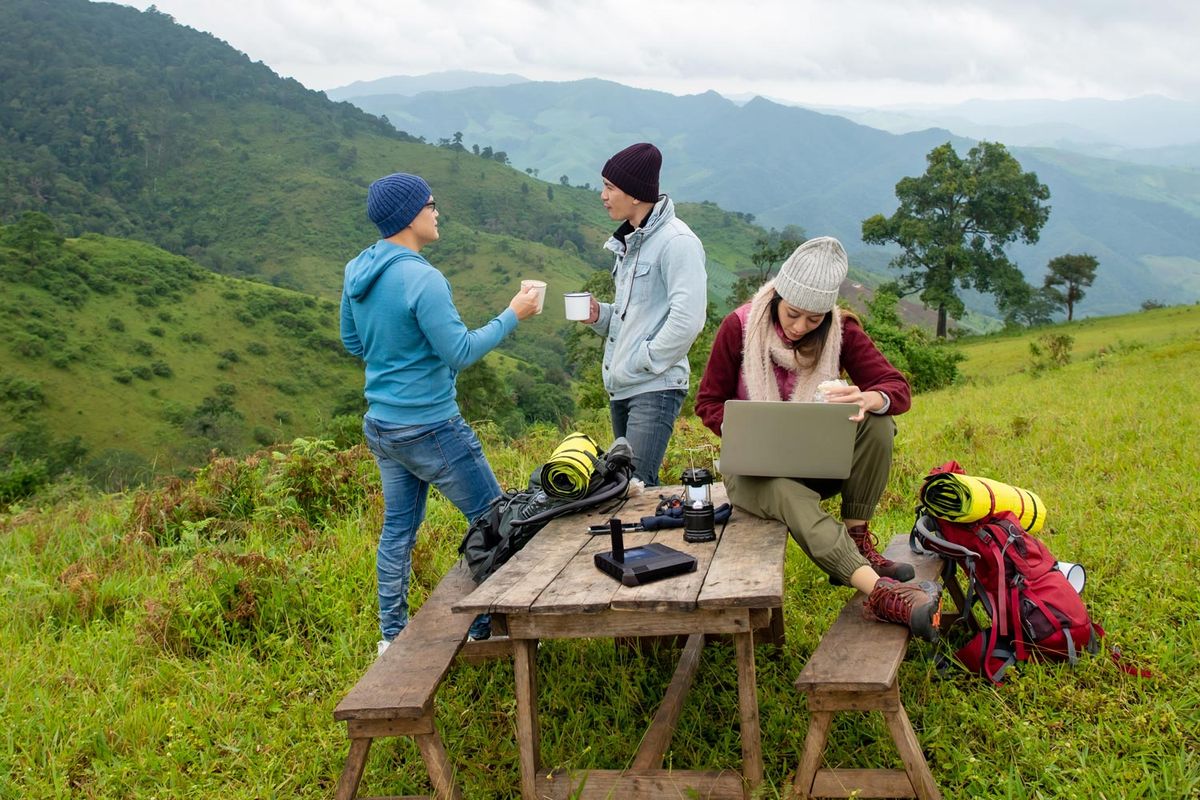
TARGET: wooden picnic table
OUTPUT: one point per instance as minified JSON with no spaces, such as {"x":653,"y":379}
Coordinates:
{"x":552,"y":590}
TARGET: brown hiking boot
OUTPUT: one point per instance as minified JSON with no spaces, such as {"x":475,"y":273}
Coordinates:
{"x":917,"y":605}
{"x":885,"y":567}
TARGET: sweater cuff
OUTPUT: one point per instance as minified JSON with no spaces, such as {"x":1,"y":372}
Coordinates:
{"x":508,"y":320}
{"x":887,"y":402}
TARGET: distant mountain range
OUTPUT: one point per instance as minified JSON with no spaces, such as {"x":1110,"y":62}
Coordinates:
{"x":1145,"y":130}
{"x":447,"y":81}
{"x":790,"y":165}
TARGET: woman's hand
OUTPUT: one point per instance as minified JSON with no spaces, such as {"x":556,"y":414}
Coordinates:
{"x":866,"y":401}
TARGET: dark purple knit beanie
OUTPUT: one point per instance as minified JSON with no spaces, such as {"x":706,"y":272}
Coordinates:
{"x":634,"y":171}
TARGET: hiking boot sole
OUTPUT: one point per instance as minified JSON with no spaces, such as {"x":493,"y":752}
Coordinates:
{"x":928,"y":626}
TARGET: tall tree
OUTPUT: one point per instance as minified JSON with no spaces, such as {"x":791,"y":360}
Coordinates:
{"x":954,"y":221}
{"x":1074,"y":272}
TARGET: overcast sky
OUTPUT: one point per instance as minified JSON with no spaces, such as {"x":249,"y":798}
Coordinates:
{"x":833,"y":52}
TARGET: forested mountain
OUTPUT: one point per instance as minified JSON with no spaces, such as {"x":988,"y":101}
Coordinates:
{"x":792,"y":165}
{"x":120,"y":123}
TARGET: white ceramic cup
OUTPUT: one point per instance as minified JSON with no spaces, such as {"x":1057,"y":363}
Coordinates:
{"x":541,"y":290}
{"x":579,"y":305}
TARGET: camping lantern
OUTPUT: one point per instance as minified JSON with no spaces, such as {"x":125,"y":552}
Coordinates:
{"x":698,"y":522}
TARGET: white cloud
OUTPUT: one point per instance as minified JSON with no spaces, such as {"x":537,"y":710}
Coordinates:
{"x":857,"y":52}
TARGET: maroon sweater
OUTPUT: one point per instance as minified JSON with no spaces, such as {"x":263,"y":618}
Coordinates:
{"x":868,"y":369}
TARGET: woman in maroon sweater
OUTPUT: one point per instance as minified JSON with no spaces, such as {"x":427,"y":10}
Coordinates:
{"x":789,"y":343}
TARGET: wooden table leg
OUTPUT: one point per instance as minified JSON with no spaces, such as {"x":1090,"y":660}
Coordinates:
{"x":752,"y":763}
{"x":528,"y":741}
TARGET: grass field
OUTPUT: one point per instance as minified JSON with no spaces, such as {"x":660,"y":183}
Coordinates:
{"x":192,"y":640}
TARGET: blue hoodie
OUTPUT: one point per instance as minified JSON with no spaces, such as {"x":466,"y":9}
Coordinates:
{"x":398,"y":316}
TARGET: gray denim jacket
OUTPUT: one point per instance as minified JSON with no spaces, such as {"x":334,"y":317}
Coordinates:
{"x":659,"y":307}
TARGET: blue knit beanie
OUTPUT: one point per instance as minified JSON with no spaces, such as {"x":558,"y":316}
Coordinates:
{"x":394,"y":202}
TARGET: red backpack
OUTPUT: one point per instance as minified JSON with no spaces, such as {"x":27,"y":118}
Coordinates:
{"x":1032,"y":608}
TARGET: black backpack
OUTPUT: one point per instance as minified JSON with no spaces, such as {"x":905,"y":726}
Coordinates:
{"x":515,"y":516}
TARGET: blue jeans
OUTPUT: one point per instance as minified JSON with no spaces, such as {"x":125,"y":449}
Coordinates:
{"x":411,"y":458}
{"x":647,"y":421}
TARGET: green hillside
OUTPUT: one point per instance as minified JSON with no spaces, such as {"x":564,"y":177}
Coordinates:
{"x":192,"y":640}
{"x":143,"y":361}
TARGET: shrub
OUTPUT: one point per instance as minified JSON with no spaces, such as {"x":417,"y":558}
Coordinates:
{"x":21,"y":396}
{"x":28,"y":346}
{"x":155,"y":330}
{"x":224,"y":599}
{"x":1051,"y":352}
{"x":162,"y":369}
{"x":344,"y":430}
{"x":927,"y":363}
{"x":123,"y":376}
{"x":21,"y":478}
{"x":142,"y":371}
{"x":115,"y":324}
{"x":257,"y":349}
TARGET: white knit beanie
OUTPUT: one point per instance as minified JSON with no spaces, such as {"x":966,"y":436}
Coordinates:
{"x":810,"y":277}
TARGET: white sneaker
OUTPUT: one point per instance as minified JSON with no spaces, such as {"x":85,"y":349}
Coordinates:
{"x":382,"y":647}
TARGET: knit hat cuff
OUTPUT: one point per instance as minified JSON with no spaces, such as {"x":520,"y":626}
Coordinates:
{"x":806,"y":297}
{"x":399,"y":219}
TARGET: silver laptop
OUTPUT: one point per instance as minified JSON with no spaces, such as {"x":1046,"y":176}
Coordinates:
{"x":785,"y":439}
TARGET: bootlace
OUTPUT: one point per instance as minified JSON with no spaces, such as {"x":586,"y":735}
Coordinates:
{"x":868,"y":545}
{"x":894,"y":601}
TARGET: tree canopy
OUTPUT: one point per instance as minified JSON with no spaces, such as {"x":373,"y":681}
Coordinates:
{"x":953,"y":223}
{"x":1073,"y":273}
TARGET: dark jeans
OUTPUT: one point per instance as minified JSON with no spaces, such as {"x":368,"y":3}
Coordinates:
{"x":647,"y":421}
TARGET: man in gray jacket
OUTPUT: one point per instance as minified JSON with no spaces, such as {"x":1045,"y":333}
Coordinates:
{"x":658,"y":309}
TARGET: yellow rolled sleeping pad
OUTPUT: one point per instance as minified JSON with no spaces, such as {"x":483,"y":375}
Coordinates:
{"x":568,"y":473}
{"x":964,"y":498}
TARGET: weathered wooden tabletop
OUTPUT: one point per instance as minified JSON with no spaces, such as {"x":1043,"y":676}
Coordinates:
{"x":555,"y":572}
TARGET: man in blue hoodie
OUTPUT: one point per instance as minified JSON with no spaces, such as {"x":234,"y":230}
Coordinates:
{"x":398,"y":316}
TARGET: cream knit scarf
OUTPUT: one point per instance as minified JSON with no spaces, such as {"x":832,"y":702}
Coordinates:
{"x":762,"y":347}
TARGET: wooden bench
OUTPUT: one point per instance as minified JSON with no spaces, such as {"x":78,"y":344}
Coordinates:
{"x":395,"y":696}
{"x":854,"y":668}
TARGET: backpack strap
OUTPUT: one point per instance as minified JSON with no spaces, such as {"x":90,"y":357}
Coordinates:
{"x":615,"y":486}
